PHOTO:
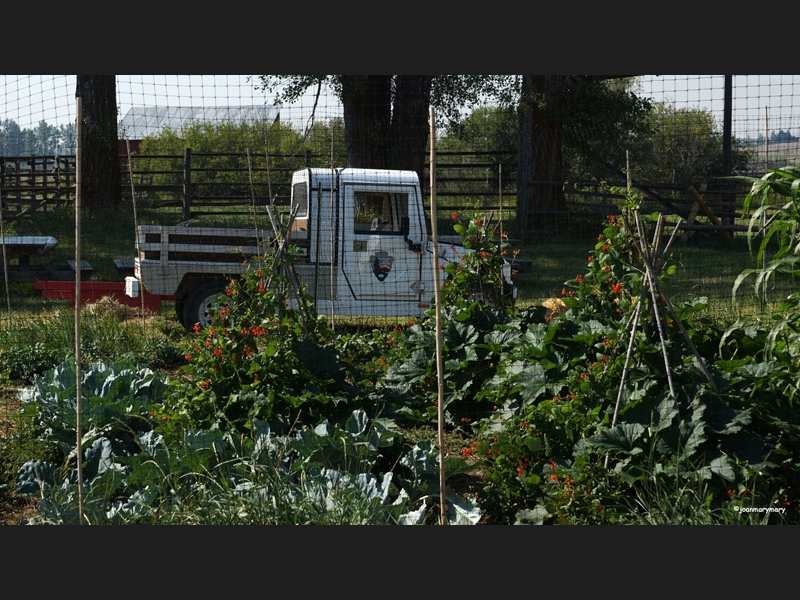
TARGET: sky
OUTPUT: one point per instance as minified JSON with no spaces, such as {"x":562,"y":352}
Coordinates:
{"x":29,"y":99}
{"x":760,"y":101}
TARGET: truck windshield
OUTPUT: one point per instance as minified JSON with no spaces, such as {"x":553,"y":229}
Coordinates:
{"x":379,"y":212}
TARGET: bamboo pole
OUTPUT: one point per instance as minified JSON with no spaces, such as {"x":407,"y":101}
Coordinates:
{"x":438,"y":305}
{"x":78,"y":362}
{"x":334,"y":233}
{"x":5,"y":258}
{"x":650,"y":281}
{"x":135,"y":224}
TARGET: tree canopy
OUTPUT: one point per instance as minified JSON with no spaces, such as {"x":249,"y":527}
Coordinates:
{"x":386,"y":117}
{"x":219,"y":153}
{"x":42,"y":140}
{"x":684,"y":146}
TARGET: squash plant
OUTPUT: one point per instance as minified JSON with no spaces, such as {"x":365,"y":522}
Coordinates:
{"x":550,"y":452}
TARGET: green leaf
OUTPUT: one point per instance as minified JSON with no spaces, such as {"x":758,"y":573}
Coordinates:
{"x":537,"y":335}
{"x":356,"y":423}
{"x":620,"y":438}
{"x":34,"y":472}
{"x":462,"y":511}
{"x":592,"y":327}
{"x":422,"y":459}
{"x":746,"y":446}
{"x":498,"y":338}
{"x":413,"y":517}
{"x":534,"y":383}
{"x":723,"y":419}
{"x":684,"y":440}
{"x":656,"y":412}
{"x":457,"y":335}
{"x":760,"y":370}
{"x":534,"y":443}
{"x":723,"y":467}
{"x":532,"y":516}
{"x":320,"y":361}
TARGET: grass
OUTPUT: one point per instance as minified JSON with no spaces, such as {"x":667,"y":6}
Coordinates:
{"x":18,"y":443}
{"x":707,"y":266}
{"x":32,"y":343}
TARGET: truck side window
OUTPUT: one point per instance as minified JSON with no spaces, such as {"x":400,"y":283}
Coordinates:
{"x":379,"y":212}
{"x":300,"y":198}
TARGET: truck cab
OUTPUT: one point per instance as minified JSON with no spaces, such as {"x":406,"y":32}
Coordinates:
{"x":362,"y":232}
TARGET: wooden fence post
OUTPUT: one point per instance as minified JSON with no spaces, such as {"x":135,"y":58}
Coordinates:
{"x":187,"y":183}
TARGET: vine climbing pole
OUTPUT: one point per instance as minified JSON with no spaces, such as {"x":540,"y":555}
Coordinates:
{"x":5,"y":257}
{"x":653,"y":260}
{"x":78,"y":362}
{"x":436,"y":291}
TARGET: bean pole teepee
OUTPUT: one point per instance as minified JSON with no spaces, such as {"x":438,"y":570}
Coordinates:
{"x":653,"y":260}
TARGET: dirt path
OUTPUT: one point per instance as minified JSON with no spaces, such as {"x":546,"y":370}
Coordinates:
{"x":13,"y":507}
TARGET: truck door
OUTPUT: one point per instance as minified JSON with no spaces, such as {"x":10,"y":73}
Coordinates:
{"x":377,"y":263}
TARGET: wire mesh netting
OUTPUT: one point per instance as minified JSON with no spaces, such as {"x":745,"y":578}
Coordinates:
{"x":189,"y":180}
{"x":217,"y":150}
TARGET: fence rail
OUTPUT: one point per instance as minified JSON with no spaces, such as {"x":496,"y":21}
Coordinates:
{"x":198,"y":182}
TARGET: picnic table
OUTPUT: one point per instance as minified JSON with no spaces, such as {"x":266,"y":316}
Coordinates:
{"x":28,"y":258}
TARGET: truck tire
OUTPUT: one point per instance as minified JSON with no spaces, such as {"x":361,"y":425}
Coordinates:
{"x":201,"y":302}
{"x":180,"y":303}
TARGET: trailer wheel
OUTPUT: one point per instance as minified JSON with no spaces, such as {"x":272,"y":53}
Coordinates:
{"x":202,"y":302}
{"x":180,"y":303}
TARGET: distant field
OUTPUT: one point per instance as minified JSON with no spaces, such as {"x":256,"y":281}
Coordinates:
{"x":786,"y":153}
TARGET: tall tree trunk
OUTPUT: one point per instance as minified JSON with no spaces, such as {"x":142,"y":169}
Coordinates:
{"x":386,"y":120}
{"x":367,"y":107}
{"x":101,"y":171}
{"x":410,"y":125}
{"x":525,"y":157}
{"x":543,"y":146}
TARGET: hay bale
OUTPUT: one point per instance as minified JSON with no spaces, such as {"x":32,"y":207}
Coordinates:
{"x":108,"y":307}
{"x":554,"y":307}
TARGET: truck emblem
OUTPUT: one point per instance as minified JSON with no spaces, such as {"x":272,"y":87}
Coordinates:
{"x":381,"y":264}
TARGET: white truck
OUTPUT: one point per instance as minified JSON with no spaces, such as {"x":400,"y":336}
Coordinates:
{"x":362,"y":234}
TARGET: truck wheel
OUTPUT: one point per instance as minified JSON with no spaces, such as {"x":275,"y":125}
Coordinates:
{"x":202,"y":302}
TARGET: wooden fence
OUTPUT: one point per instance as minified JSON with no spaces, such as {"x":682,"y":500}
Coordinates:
{"x":222,"y":183}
